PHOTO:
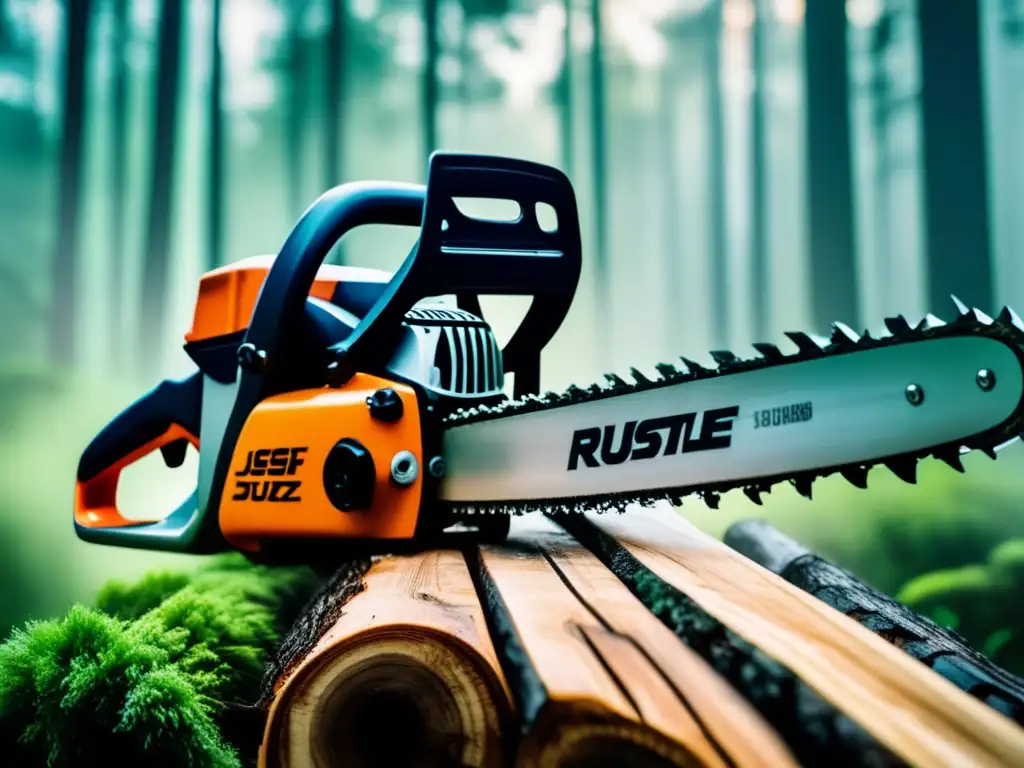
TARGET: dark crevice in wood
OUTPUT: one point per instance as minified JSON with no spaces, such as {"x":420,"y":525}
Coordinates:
{"x":528,"y":692}
{"x":621,"y":686}
{"x":816,"y":732}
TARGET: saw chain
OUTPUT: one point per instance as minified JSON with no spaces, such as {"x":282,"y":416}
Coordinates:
{"x":1007,"y":327}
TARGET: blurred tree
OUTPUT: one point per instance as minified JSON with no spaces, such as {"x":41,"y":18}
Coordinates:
{"x":668,"y":140}
{"x":598,"y":170}
{"x":118,"y":171}
{"x":718,"y":288}
{"x":829,"y":166}
{"x":64,"y":311}
{"x":295,"y":114}
{"x":334,"y":79}
{"x":1012,"y":21}
{"x":215,"y":177}
{"x":956,"y":187}
{"x":429,"y":90}
{"x":158,"y":230}
{"x":761,"y":278}
{"x":563,"y":95}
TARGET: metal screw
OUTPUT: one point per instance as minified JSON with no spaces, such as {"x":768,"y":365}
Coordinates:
{"x":250,"y":358}
{"x":915,"y":395}
{"x":986,"y":379}
{"x":404,"y":468}
{"x":436,"y":466}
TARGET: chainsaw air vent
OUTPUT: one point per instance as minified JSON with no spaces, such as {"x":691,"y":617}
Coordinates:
{"x":466,"y":356}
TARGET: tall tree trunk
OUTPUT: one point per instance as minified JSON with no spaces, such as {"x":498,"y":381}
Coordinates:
{"x":760,"y":271}
{"x":833,"y":254}
{"x":668,"y":135}
{"x":118,"y":176}
{"x":955,"y":168}
{"x":334,"y":79}
{"x":429,"y":91}
{"x":605,"y":314}
{"x":718,"y":272}
{"x":64,"y":313}
{"x":564,"y":95}
{"x":215,"y":191}
{"x":296,"y":116}
{"x":161,"y":190}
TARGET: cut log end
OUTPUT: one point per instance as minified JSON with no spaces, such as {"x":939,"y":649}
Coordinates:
{"x":391,"y":697}
{"x":572,"y":740}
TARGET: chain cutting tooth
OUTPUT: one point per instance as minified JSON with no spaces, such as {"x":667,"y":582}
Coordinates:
{"x":769,"y":352}
{"x":805,"y":344}
{"x":930,"y":321}
{"x":961,"y":308}
{"x":803,"y":485}
{"x":1009,"y":317}
{"x":638,"y":377}
{"x":615,"y":380}
{"x":951,"y":456}
{"x":981,"y":317}
{"x":696,"y":368}
{"x":856,"y":476}
{"x":723,"y":358}
{"x":904,"y":468}
{"x":898,"y":326}
{"x":711,"y":499}
{"x":843,"y":335}
{"x":667,"y":371}
{"x":753,"y":493}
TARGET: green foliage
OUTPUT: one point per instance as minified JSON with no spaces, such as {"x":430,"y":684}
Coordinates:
{"x":981,"y":602}
{"x":152,"y":672}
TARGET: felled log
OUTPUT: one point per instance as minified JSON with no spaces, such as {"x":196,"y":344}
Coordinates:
{"x":391,"y":665}
{"x":945,"y":651}
{"x":597,"y":679}
{"x":917,"y":716}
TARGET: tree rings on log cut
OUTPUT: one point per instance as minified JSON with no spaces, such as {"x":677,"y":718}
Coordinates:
{"x":921,"y":717}
{"x":597,"y":679}
{"x":406,"y":676}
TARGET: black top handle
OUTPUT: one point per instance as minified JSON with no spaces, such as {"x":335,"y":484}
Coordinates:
{"x":465,"y":256}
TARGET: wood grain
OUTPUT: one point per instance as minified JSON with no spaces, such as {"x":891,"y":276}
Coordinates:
{"x":943,"y":650}
{"x":406,"y":676}
{"x":599,"y":680}
{"x":915,"y":712}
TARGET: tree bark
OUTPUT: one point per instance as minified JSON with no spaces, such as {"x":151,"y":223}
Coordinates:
{"x":956,"y":187}
{"x":941,"y":649}
{"x":156,"y":259}
{"x":832,"y":246}
{"x":64,"y":312}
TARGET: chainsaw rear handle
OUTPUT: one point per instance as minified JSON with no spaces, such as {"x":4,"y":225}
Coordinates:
{"x":166,"y":418}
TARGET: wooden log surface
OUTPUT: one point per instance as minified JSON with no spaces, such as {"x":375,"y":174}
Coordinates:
{"x":945,"y":651}
{"x":405,"y":675}
{"x":598,"y":677}
{"x":608,"y":639}
{"x":918,"y":715}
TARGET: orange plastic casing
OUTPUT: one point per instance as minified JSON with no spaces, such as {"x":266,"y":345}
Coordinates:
{"x":315,"y":420}
{"x":227,"y":295}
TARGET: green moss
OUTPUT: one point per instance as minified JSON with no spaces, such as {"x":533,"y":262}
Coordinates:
{"x":982,"y":602}
{"x":149,"y":674}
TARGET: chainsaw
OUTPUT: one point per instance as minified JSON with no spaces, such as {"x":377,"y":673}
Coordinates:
{"x":341,"y":406}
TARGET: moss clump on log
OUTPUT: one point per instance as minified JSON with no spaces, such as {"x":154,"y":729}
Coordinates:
{"x":160,"y":672}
